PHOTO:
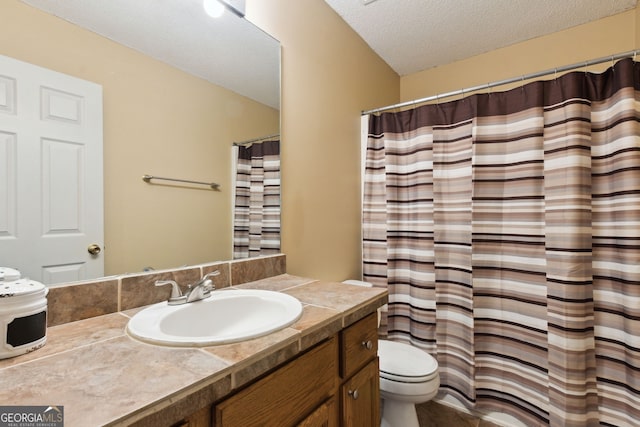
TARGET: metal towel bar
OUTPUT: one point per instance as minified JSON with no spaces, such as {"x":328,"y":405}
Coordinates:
{"x":213,"y":185}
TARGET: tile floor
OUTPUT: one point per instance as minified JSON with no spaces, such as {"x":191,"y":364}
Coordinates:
{"x":432,"y":414}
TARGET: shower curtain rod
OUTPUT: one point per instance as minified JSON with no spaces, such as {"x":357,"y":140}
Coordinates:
{"x":249,"y":141}
{"x":504,"y":82}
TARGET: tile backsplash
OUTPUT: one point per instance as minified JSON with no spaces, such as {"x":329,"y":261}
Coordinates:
{"x":81,"y":300}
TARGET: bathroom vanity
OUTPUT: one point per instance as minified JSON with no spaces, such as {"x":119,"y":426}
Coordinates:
{"x":335,"y":383}
{"x":320,"y":371}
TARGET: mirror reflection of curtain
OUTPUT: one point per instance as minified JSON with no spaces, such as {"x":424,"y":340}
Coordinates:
{"x":256,"y":223}
{"x":506,"y":229}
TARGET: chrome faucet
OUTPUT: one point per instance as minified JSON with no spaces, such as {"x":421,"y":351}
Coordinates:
{"x":202,"y":288}
{"x":176,"y":294}
{"x":195,"y":292}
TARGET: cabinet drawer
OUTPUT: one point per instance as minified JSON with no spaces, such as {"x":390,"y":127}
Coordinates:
{"x":359,"y":345}
{"x":284,"y":397}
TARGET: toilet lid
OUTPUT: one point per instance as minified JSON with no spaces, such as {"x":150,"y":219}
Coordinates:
{"x":405,"y":363}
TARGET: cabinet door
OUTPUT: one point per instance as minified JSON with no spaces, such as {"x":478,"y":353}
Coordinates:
{"x":361,"y":398}
{"x":287,"y":395}
{"x":325,"y":416}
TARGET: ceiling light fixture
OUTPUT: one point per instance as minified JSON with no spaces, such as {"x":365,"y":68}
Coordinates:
{"x":214,"y":8}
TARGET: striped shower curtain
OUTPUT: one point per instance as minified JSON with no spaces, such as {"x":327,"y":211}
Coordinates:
{"x":506,"y":227}
{"x":256,"y":223}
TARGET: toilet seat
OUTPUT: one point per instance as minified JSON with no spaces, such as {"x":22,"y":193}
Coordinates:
{"x":405,"y":364}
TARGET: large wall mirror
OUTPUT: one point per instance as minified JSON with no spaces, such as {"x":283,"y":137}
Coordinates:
{"x":179,"y":88}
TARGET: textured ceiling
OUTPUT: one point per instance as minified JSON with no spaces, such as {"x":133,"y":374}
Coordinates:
{"x":226,"y":51}
{"x":414,"y":35}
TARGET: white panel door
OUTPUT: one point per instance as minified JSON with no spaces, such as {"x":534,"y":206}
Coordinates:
{"x":51,"y":207}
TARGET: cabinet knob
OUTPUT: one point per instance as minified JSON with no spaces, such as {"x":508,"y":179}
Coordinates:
{"x":354,"y":394}
{"x":367,"y":344}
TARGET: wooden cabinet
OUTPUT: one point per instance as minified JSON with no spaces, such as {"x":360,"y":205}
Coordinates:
{"x":361,"y":398}
{"x":360,"y":390}
{"x":326,"y":415}
{"x":334,"y":384}
{"x":286,"y":396}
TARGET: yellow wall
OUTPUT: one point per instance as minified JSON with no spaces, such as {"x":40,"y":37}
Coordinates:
{"x":597,"y":39}
{"x":329,"y":75}
{"x":157,"y":120}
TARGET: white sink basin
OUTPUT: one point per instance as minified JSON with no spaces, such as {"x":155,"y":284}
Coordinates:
{"x":225,"y":317}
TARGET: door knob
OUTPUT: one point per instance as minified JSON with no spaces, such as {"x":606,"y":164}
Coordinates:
{"x":94,"y":249}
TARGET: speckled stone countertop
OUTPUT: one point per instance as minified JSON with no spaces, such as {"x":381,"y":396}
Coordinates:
{"x":103,"y":377}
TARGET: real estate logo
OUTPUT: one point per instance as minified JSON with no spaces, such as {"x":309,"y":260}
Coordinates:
{"x":31,"y":416}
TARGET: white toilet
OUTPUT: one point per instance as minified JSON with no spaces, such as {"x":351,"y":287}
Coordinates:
{"x":408,"y":376}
